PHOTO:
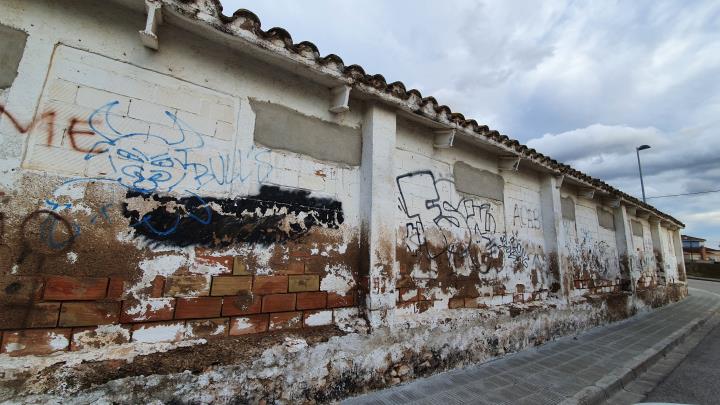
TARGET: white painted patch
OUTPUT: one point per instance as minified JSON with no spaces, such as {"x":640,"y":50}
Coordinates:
{"x":159,"y":333}
{"x":74,"y":190}
{"x":113,"y":329}
{"x":149,"y":305}
{"x":338,"y":279}
{"x":58,"y":342}
{"x":212,"y":269}
{"x":163,"y":265}
{"x":241,"y":323}
{"x":219,"y":330}
{"x":14,"y":347}
{"x":72,"y":257}
{"x":319,"y":318}
{"x":295,"y":345}
{"x":409,"y":295}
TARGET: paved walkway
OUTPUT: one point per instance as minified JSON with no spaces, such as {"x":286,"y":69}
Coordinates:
{"x":557,"y":371}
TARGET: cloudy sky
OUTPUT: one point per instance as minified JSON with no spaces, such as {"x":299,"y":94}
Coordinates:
{"x":582,"y":81}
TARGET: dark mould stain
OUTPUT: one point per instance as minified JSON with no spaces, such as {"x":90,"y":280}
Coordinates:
{"x":13,"y":288}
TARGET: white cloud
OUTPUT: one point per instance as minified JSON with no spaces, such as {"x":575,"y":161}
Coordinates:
{"x":583,"y":81}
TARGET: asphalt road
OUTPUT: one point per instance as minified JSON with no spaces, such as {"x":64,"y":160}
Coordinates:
{"x":697,"y":379}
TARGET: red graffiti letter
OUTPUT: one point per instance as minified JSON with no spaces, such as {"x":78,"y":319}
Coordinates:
{"x":48,"y":117}
{"x":72,"y":132}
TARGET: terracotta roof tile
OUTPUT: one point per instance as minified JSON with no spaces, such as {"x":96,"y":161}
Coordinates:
{"x":279,"y":38}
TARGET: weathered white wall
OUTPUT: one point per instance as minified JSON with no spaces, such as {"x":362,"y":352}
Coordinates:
{"x":439,"y":276}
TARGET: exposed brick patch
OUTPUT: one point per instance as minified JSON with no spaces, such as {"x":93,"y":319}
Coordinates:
{"x":60,"y":288}
{"x":207,"y":328}
{"x":311,"y":300}
{"x":278,"y":303}
{"x":156,"y":309}
{"x":200,"y":307}
{"x":335,"y":300}
{"x":296,"y":267}
{"x":22,"y":316}
{"x":230,"y":285}
{"x":187,"y":286}
{"x":88,"y":313}
{"x":423,"y":306}
{"x":158,"y":287}
{"x":455,"y":303}
{"x":116,"y":288}
{"x":239,"y":267}
{"x":35,"y":341}
{"x":249,"y":324}
{"x":242,"y":304}
{"x":285,"y":320}
{"x":426,"y":294}
{"x":315,"y":265}
{"x":270,"y":284}
{"x":304,"y":282}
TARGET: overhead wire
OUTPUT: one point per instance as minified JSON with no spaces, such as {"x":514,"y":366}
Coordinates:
{"x":683,"y":194}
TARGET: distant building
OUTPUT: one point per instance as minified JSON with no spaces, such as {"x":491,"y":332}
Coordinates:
{"x":694,"y":250}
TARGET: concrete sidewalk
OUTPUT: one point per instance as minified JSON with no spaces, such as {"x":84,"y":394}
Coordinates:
{"x":587,"y":369}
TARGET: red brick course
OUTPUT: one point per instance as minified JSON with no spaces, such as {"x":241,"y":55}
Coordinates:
{"x":88,"y":313}
{"x":181,"y":306}
{"x":249,"y":324}
{"x":35,"y":341}
{"x":270,"y":284}
{"x":20,"y":289}
{"x":29,"y":315}
{"x":335,"y":300}
{"x":285,"y":320}
{"x":208,"y":328}
{"x":161,"y":309}
{"x":278,"y":303}
{"x":230,"y":285}
{"x":199,"y":307}
{"x":244,"y":304}
{"x":60,"y":288}
{"x":312,"y":300}
{"x":93,"y":337}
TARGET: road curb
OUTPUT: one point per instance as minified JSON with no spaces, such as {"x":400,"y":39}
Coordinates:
{"x":704,"y":278}
{"x":616,"y":380}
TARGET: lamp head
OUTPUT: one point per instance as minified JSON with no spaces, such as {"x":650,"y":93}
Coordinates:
{"x":643,"y":147}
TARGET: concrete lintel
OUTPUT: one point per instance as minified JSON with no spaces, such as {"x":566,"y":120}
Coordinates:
{"x":509,"y":163}
{"x":444,"y":138}
{"x":586,"y":192}
{"x":339,"y":99}
{"x":148,"y":36}
{"x":613,"y":202}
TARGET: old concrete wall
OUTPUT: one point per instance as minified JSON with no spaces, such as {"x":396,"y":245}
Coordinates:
{"x":196,"y":208}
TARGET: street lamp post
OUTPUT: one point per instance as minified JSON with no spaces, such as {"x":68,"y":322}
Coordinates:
{"x":637,"y":151}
